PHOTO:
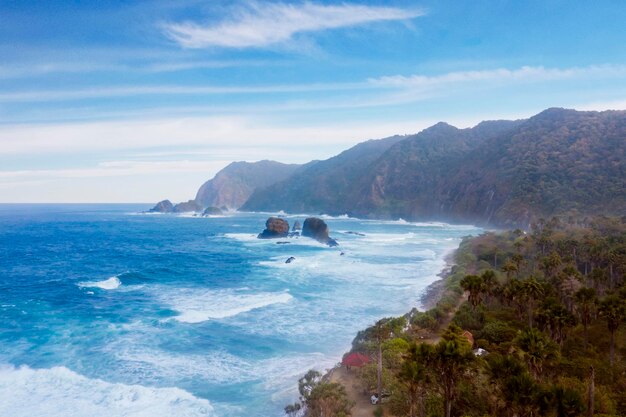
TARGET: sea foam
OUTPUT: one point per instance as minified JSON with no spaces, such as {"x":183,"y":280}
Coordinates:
{"x":195,"y":305}
{"x":107,"y":284}
{"x":58,"y":391}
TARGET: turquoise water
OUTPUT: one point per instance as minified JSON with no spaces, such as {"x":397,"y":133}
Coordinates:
{"x":105,"y":311}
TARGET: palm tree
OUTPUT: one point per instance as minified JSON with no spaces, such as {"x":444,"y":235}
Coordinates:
{"x":451,"y":359}
{"x":518,"y":260}
{"x":500,"y":370}
{"x":567,"y":402}
{"x":612,"y":310}
{"x":414,"y":374}
{"x":550,"y":264}
{"x":509,"y":268}
{"x":475,"y":286}
{"x":490,"y":283}
{"x":536,"y":350}
{"x":557,"y":318}
{"x":531,"y":290}
{"x":585,"y":305}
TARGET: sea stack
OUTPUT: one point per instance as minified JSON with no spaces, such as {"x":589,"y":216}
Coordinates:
{"x":164,"y":206}
{"x":318,"y":229}
{"x":275,"y":228}
{"x":212,"y":211}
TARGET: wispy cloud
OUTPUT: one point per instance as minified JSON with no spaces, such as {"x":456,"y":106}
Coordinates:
{"x":403,"y":88}
{"x":525,"y":73}
{"x":25,"y":70}
{"x":264,"y":24}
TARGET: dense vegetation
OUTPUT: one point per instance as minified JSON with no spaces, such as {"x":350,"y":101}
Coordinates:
{"x":547,"y":307}
{"x":506,"y":173}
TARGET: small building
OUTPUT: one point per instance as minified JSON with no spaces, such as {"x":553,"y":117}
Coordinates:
{"x":469,"y":336}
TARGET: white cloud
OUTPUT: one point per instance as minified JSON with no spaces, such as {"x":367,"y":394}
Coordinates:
{"x":230,"y":132}
{"x":79,"y":94}
{"x":404,"y":88}
{"x":525,"y":74}
{"x":264,"y":24}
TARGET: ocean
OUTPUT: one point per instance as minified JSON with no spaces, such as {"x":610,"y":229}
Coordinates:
{"x":105,"y":311}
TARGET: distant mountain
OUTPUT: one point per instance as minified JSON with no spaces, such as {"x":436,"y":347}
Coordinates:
{"x":233,"y":185}
{"x":322,"y":185}
{"x":503,"y":173}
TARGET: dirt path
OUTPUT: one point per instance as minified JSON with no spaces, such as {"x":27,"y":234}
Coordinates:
{"x":362,"y":406}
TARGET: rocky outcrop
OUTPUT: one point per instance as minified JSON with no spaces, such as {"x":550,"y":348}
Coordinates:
{"x":275,"y":227}
{"x":290,"y":260}
{"x":212,"y":211}
{"x":188,"y":206}
{"x":164,"y":206}
{"x":318,"y":229}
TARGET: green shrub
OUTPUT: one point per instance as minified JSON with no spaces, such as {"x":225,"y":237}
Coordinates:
{"x":497,"y":332}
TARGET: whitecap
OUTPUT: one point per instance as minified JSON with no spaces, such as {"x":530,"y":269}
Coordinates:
{"x":107,"y":284}
{"x":58,"y":391}
{"x":198,"y":305}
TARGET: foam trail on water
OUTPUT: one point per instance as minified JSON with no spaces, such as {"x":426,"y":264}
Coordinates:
{"x":107,"y":284}
{"x":196,"y":306}
{"x":58,"y":391}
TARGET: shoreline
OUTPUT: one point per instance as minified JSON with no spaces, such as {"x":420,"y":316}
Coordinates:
{"x":435,"y":290}
{"x":431,"y":296}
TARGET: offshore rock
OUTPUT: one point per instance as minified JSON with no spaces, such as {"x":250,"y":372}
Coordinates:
{"x":296,"y":226}
{"x":164,"y":206}
{"x":290,"y":260}
{"x":187,"y":207}
{"x":212,"y":211}
{"x":275,"y":228}
{"x":318,"y":229}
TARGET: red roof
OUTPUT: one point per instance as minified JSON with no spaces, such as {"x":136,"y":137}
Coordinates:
{"x":355,"y":359}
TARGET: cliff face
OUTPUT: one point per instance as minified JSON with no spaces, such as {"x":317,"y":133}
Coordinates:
{"x":233,"y":185}
{"x":503,"y":173}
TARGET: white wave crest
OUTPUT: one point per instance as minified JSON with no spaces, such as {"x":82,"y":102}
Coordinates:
{"x":107,"y":284}
{"x":196,"y":305}
{"x":58,"y":391}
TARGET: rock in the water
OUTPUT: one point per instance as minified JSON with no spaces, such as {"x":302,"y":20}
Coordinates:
{"x":290,"y":260}
{"x":164,"y":206}
{"x":187,"y":207}
{"x":318,"y":229}
{"x":283,"y":243}
{"x":275,"y":228}
{"x":354,"y":233}
{"x":212,"y":211}
{"x":296,"y":226}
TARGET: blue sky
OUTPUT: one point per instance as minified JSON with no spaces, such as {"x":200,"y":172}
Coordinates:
{"x":111,"y":101}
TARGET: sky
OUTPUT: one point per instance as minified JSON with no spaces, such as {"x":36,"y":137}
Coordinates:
{"x":137,"y":101}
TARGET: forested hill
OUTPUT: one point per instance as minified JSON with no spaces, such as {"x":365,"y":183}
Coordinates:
{"x":503,"y":173}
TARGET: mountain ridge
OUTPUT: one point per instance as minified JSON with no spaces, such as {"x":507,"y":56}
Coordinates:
{"x":498,"y":173}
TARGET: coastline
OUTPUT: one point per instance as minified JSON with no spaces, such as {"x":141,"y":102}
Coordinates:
{"x":436,"y":294}
{"x":435,"y":291}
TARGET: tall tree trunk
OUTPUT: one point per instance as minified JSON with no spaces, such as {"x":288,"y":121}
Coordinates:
{"x":380,"y":368}
{"x":592,"y":389}
{"x":448,"y":406}
{"x":585,"y":325}
{"x":612,"y":351}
